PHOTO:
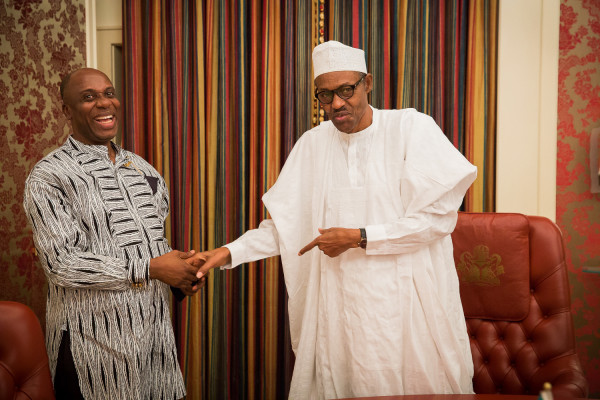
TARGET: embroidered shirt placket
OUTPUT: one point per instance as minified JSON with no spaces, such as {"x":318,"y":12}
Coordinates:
{"x":122,"y":182}
{"x":129,"y":202}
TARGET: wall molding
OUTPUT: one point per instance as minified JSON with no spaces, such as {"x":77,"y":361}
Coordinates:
{"x":91,"y":53}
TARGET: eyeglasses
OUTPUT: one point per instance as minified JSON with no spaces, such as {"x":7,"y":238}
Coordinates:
{"x":344,"y":92}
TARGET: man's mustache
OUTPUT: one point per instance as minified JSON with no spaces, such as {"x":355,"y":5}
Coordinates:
{"x":339,"y":111}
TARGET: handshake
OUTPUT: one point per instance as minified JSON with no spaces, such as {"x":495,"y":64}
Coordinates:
{"x":187,"y":271}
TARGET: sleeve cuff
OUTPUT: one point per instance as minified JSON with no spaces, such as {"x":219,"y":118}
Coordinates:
{"x":236,"y":251}
{"x":139,"y":272}
{"x":375,"y":236}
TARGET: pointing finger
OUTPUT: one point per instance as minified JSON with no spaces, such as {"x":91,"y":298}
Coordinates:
{"x":308,"y":247}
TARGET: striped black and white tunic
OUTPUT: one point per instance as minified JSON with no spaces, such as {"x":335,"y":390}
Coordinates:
{"x":96,"y":225}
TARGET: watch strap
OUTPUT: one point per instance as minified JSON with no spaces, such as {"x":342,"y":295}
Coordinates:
{"x":363,"y":238}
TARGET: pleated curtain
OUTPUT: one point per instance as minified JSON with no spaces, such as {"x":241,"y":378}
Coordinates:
{"x":215,"y":95}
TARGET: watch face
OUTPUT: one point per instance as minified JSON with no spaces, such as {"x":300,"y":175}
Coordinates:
{"x":363,"y":243}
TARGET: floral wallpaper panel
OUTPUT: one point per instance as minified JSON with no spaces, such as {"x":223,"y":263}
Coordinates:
{"x":40,"y":41}
{"x":577,"y":209}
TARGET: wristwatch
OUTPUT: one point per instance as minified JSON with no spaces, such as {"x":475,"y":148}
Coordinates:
{"x":363,"y":238}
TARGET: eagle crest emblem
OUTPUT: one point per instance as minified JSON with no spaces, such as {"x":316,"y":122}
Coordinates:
{"x":480,"y":268}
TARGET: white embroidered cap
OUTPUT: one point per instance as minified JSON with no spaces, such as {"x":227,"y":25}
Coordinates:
{"x":334,"y":56}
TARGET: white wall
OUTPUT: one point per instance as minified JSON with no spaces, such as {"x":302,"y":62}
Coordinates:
{"x":103,"y":30}
{"x":527,"y":106}
{"x":104,"y":42}
{"x":90,"y":33}
{"x":109,"y":33}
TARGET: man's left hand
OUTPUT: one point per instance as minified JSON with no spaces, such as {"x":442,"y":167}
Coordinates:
{"x":173,"y":269}
{"x":334,"y":241}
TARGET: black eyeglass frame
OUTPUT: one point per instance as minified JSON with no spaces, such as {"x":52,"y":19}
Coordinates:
{"x":338,"y":90}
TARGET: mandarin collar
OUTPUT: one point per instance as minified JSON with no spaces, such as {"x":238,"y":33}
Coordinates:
{"x":96,"y":149}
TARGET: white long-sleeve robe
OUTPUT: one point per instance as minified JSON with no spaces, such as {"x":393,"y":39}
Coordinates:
{"x":389,"y":320}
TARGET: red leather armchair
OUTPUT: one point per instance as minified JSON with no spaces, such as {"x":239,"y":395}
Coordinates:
{"x":24,"y":371}
{"x":515,"y":293}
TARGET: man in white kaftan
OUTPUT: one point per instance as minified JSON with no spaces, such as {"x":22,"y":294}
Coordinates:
{"x":377,"y":310}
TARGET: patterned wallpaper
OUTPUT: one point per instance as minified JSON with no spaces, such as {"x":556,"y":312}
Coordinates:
{"x":577,"y":209}
{"x":40,"y":41}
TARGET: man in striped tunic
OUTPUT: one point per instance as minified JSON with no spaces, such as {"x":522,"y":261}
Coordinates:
{"x":97,"y":213}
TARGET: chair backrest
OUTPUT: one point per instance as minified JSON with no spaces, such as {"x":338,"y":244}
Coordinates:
{"x":516,"y":298}
{"x":24,"y":370}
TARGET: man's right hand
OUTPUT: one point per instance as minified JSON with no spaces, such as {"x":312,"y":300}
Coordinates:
{"x":176,"y":269}
{"x":210,"y":259}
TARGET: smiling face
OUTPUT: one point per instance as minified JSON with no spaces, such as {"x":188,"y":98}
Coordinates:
{"x":90,"y":103}
{"x":353,"y":114}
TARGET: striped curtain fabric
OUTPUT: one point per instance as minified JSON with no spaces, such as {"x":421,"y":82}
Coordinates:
{"x":438,"y":57}
{"x":216,"y":94}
